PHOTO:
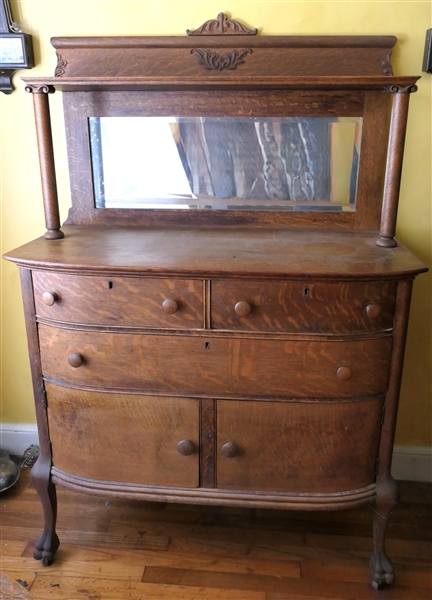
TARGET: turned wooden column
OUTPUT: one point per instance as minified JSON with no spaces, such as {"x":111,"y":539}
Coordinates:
{"x":46,"y":159}
{"x":399,"y":116}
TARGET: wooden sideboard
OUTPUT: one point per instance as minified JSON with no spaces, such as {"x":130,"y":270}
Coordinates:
{"x":242,"y":356}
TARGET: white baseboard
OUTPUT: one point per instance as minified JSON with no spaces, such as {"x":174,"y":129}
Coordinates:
{"x":410,"y":463}
{"x":16,"y":438}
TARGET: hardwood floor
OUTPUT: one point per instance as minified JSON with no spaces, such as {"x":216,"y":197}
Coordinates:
{"x":120,"y":550}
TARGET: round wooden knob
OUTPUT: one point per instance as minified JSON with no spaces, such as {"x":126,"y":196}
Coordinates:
{"x":75,"y":360}
{"x":373,"y":311}
{"x":185,"y":448}
{"x":344,"y":373}
{"x":229,"y":450}
{"x":48,"y":298}
{"x":242,"y":308}
{"x":170,"y":306}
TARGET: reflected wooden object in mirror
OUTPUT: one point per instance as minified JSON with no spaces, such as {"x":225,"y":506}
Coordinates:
{"x":226,"y":163}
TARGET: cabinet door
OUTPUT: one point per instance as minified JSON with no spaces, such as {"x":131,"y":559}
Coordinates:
{"x":297,"y":446}
{"x":124,"y":437}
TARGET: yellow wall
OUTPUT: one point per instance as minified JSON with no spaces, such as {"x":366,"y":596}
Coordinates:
{"x":22,"y":214}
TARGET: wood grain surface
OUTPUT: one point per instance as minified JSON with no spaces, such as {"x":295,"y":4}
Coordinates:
{"x":219,"y":252}
{"x":373,"y":153}
{"x":291,"y":447}
{"x":10,"y":588}
{"x":118,"y":301}
{"x":273,"y":55}
{"x":215,"y":366}
{"x":46,"y":161}
{"x":207,"y":442}
{"x":302,"y":306}
{"x":124,"y":438}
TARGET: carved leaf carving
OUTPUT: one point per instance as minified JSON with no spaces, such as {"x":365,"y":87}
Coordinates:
{"x":214,"y":61}
{"x":61,"y":66}
{"x":222,"y":26}
{"x":386,"y":66}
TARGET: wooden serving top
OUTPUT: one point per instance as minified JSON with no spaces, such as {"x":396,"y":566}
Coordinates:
{"x":277,"y":253}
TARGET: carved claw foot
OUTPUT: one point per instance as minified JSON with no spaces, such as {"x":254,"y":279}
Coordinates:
{"x":382,"y":570}
{"x":46,"y":546}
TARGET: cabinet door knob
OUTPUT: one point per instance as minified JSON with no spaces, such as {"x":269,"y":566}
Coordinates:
{"x":48,"y":298}
{"x":373,"y":310}
{"x":75,"y":360}
{"x":242,"y":308}
{"x":229,"y":450}
{"x":170,"y":306}
{"x":185,"y":448}
{"x":344,"y":373}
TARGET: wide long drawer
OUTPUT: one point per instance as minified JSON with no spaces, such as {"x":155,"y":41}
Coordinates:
{"x":119,"y":301}
{"x":215,"y":366}
{"x":302,"y":306}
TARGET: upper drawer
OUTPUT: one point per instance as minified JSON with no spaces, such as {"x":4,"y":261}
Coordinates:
{"x":121,"y":301}
{"x":302,"y":307}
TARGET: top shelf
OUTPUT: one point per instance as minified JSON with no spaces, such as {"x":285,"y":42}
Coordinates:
{"x":219,"y":252}
{"x":217,"y":81}
{"x":226,"y":59}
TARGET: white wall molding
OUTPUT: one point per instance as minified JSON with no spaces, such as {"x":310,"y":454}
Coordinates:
{"x":410,"y":463}
{"x":16,"y":437}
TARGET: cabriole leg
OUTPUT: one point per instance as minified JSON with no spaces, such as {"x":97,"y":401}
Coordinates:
{"x":48,"y":542}
{"x":381,"y":566}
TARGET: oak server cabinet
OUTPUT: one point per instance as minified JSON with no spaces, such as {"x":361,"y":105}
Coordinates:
{"x":224,"y":311}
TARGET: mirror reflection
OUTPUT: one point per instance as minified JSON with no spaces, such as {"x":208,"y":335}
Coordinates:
{"x":287,"y":163}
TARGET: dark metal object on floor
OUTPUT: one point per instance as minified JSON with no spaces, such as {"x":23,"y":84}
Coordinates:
{"x":10,"y":470}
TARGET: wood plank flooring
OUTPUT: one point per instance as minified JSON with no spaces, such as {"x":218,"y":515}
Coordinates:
{"x":9,"y":588}
{"x":122,"y":550}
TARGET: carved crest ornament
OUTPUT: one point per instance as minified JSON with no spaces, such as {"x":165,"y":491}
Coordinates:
{"x":213,"y":61}
{"x":222,"y":26}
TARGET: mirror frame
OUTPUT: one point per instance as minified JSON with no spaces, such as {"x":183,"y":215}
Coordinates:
{"x":228,"y":73}
{"x":369,"y":105}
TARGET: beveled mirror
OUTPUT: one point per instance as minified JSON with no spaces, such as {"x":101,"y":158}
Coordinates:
{"x":226,"y":163}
